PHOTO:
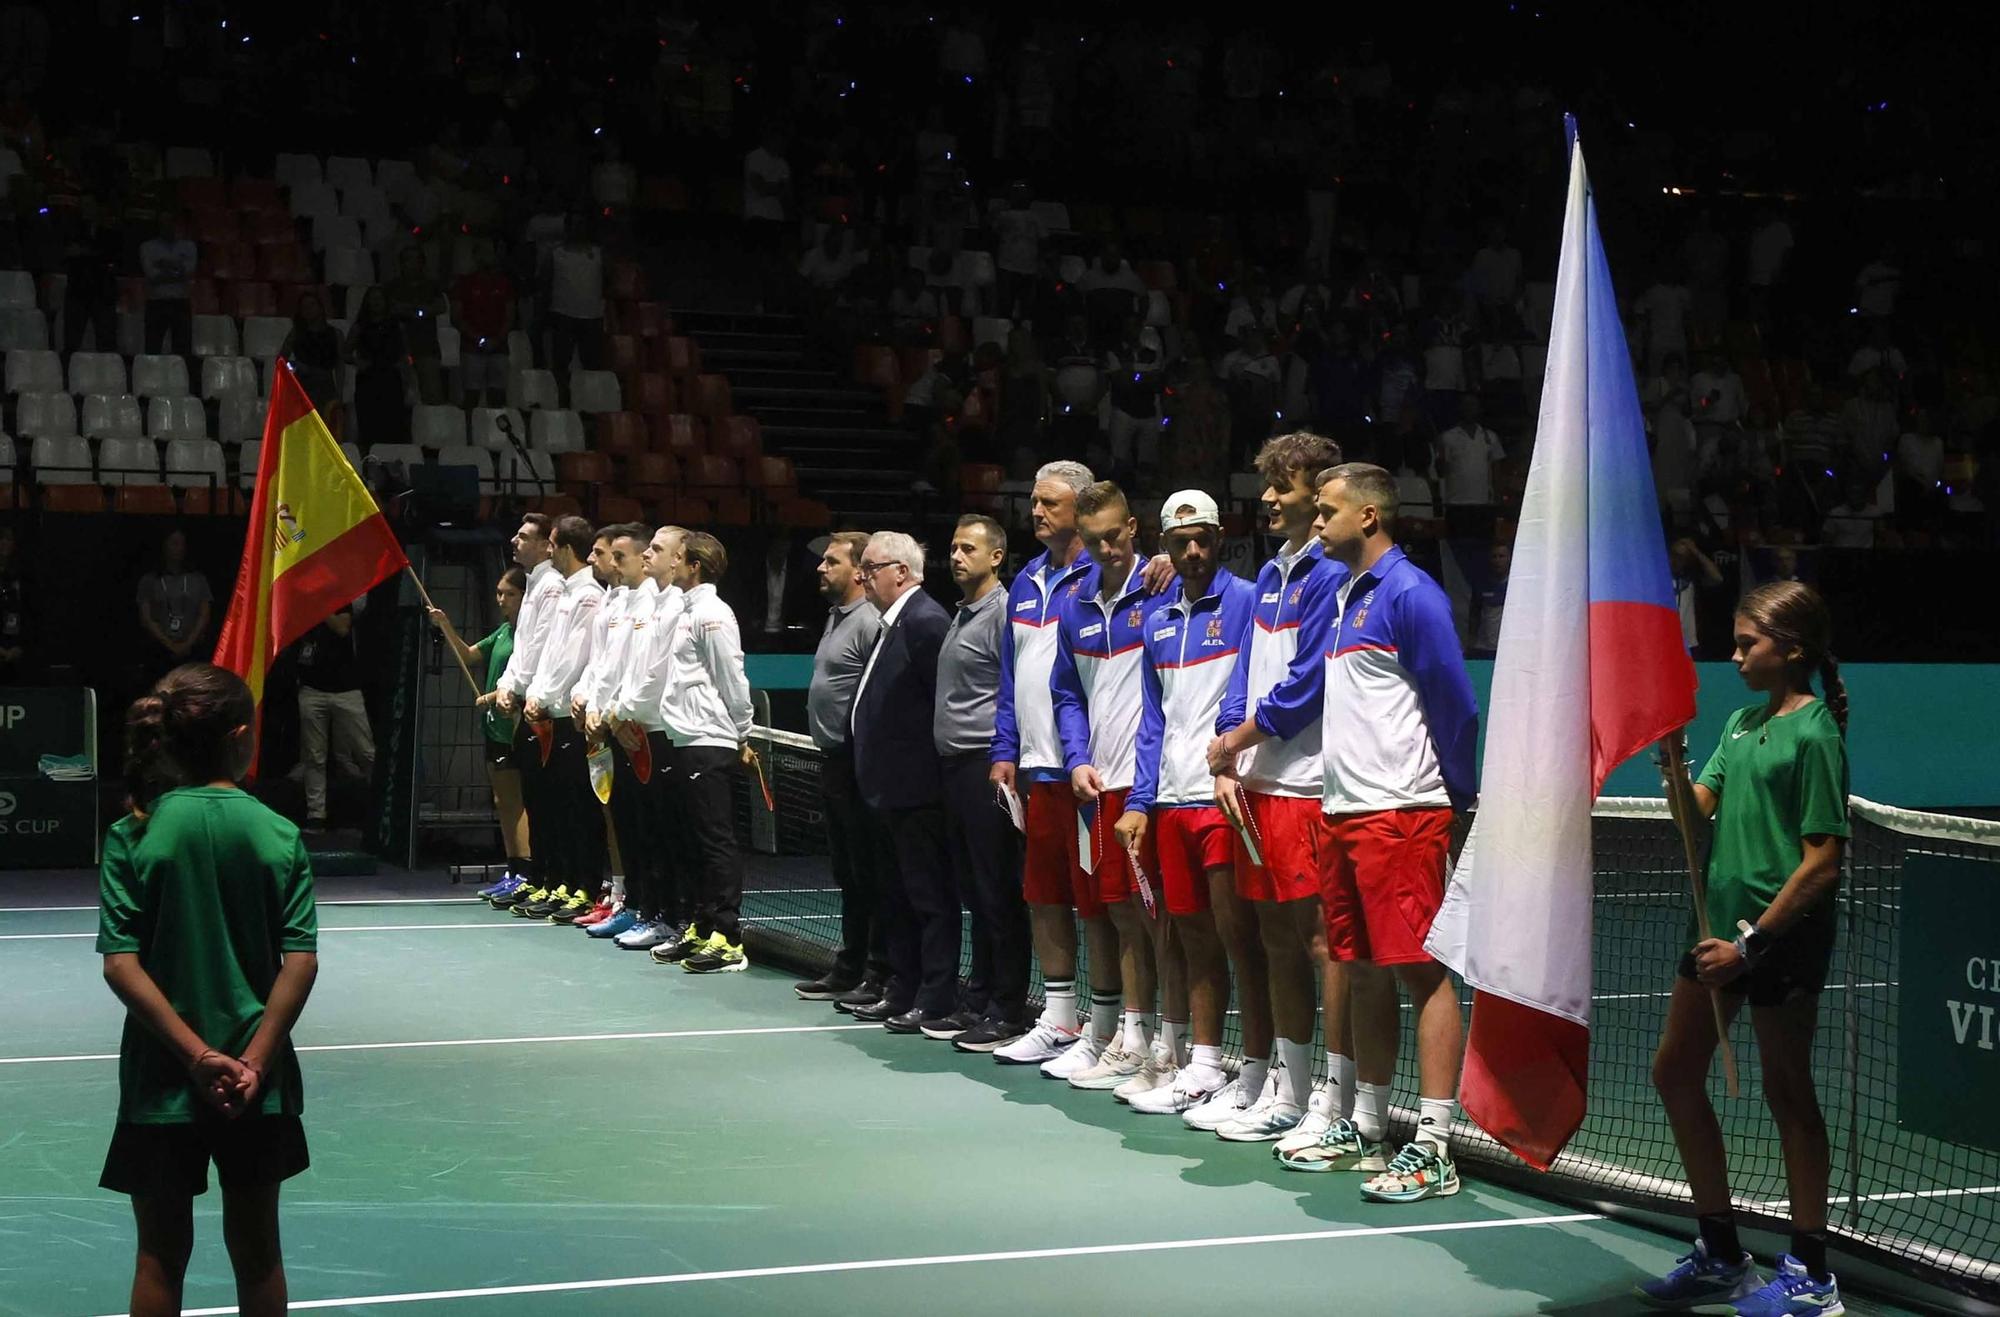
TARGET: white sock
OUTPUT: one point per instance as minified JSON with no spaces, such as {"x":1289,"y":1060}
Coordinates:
{"x":1104,"y":1008}
{"x":1370,"y":1101}
{"x":1207,"y":1061}
{"x":1296,"y":1058}
{"x":1252,"y":1075}
{"x":1059,"y":1003}
{"x":1434,"y":1121}
{"x":618,"y":887}
{"x":1340,"y":1078}
{"x":1167,"y":1042}
{"x":1137,"y":1033}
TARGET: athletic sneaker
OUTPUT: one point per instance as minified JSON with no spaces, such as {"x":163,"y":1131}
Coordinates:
{"x":991,"y":1035}
{"x":598,"y":913}
{"x":679,"y":944}
{"x":1319,"y":1115}
{"x":944,"y":1028}
{"x":1339,"y":1147}
{"x":1421,"y":1170}
{"x":507,"y":880}
{"x":1187,"y":1091}
{"x":1113,"y":1067}
{"x":545,"y":907}
{"x":520,"y":896}
{"x":1044,"y":1042}
{"x":865,"y":993}
{"x":1078,"y":1057}
{"x":718,"y":955}
{"x":1271,"y":1116}
{"x":573,"y":909}
{"x":624,"y":921}
{"x":503,"y":889}
{"x":1225,"y":1104}
{"x":643,"y":937}
{"x":1791,"y":1293}
{"x":1698,"y":1278}
{"x":825,"y":989}
{"x":1158,"y":1070}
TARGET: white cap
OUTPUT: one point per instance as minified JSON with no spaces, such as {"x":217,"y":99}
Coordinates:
{"x":1190,"y":507}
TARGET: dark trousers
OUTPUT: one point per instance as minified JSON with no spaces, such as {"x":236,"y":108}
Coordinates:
{"x":583,"y":338}
{"x":99,"y":314}
{"x":701,"y":781}
{"x":632,"y":816}
{"x":576,"y":811}
{"x":526,"y":757}
{"x":851,"y":851}
{"x":985,"y":852}
{"x":171,"y":316}
{"x":670,"y":874}
{"x":925,"y":934}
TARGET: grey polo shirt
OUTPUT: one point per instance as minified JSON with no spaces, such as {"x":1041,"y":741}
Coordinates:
{"x":968,"y":679}
{"x":837,"y":664}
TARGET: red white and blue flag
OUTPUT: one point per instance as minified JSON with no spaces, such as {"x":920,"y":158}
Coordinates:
{"x":1590,"y":669}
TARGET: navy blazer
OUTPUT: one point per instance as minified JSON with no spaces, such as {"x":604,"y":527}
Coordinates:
{"x":895,"y":754}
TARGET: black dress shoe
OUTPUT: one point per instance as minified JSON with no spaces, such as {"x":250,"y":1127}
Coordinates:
{"x":989,"y":1035}
{"x":944,"y":1028}
{"x":865,"y":993}
{"x":909,"y":1021}
{"x":826,"y":989}
{"x":878,"y":1011}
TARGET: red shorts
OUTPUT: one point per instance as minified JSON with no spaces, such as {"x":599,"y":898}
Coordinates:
{"x":1051,"y":873}
{"x":1190,"y":840}
{"x":1289,"y":833}
{"x":1110,"y":869}
{"x":1383,"y":883}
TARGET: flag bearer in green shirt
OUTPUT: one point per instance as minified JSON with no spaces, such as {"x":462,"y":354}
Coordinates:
{"x":1776,"y":792}
{"x":208,"y":932}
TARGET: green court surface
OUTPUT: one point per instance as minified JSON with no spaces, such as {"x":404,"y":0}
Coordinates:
{"x":507,"y":1119}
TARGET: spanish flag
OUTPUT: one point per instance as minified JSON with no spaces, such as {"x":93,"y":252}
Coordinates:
{"x":316,"y":539}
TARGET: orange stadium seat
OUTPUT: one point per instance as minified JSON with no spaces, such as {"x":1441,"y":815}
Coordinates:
{"x":740,"y":438}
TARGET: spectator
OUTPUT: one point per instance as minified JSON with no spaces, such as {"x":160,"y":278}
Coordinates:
{"x":14,"y":648}
{"x":482,"y":306}
{"x":1920,"y":469}
{"x":1695,"y":574}
{"x":1415,"y":494}
{"x":767,"y":189}
{"x":1674,"y":458}
{"x":1488,"y":601}
{"x":1706,"y":256}
{"x":576,"y":303}
{"x":826,"y":266}
{"x":1252,"y":309}
{"x":1869,"y":425}
{"x":1851,"y":523}
{"x":416,"y":300}
{"x":1195,"y":451}
{"x":1877,"y":286}
{"x":1810,"y":438}
{"x":1716,"y":393}
{"x":168,"y":262}
{"x":1495,"y":277}
{"x":1878,"y":353}
{"x":1445,"y":337}
{"x":375,"y":348}
{"x":332,"y":713}
{"x":90,"y":291}
{"x":1024,"y":393}
{"x":1662,"y":312}
{"x":1671,"y":383}
{"x":913,"y":310}
{"x":313,"y":349}
{"x":175,"y":606}
{"x":1465,"y":457}
{"x":1770,"y":252}
{"x":1111,"y":291}
{"x":614,"y":184}
{"x":1017,"y":239}
{"x":1134,"y":369}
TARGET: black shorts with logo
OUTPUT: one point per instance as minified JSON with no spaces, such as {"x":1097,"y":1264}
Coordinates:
{"x":172,"y":1160}
{"x":1796,"y":965}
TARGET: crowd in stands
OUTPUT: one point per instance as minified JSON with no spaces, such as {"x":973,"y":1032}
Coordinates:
{"x":1148,"y":246}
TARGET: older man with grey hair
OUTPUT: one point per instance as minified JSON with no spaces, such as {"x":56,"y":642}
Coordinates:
{"x":896,"y":767}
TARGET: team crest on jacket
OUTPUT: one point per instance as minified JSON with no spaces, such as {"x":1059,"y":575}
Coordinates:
{"x":1298,"y":592}
{"x":1136,"y":619}
{"x":1215,"y":627}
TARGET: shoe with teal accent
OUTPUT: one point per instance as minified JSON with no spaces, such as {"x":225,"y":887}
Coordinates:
{"x":1698,"y":1278}
{"x":622,"y":922}
{"x":1421,"y":1170}
{"x":1340,"y":1147}
{"x":1791,"y":1293}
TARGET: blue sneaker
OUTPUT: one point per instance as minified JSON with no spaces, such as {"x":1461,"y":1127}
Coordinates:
{"x":1698,"y":1279}
{"x":507,"y":881}
{"x":622,"y":922}
{"x":1792,"y":1293}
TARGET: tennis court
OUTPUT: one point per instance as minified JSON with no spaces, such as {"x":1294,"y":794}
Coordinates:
{"x":507,"y":1118}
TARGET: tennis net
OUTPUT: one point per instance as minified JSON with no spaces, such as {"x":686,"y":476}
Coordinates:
{"x":1922,"y":1205}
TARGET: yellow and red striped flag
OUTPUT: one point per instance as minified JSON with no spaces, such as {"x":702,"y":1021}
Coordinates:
{"x":316,"y":539}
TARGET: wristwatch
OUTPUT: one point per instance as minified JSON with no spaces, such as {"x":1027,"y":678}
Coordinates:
{"x":1751,"y":942}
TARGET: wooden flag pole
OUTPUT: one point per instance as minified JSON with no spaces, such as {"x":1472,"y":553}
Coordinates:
{"x":1681,"y":804}
{"x":426,"y":596}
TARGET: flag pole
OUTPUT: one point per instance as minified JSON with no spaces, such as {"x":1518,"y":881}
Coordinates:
{"x":1681,"y":804}
{"x":426,"y":596}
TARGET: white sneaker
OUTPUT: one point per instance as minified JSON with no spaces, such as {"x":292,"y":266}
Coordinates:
{"x":1081,"y":1056}
{"x":1187,"y":1091}
{"x":1267,"y":1119}
{"x":1158,"y":1070}
{"x":1319,"y":1116}
{"x":1113,"y":1067}
{"x":1226,"y":1103}
{"x":1042,"y":1043}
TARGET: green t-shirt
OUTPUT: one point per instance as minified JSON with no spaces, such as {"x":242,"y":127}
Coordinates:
{"x":1778,"y":780}
{"x":498,"y":648}
{"x":210,"y":891}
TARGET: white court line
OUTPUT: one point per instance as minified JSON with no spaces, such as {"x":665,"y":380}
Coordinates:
{"x":497,"y":1042}
{"x":1785,"y":1204}
{"x":935,"y":1260}
{"x":348,"y":900}
{"x":336,"y":928}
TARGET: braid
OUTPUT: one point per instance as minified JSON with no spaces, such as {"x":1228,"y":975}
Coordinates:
{"x":148,"y":767}
{"x":181,"y":732}
{"x":1833,"y":690}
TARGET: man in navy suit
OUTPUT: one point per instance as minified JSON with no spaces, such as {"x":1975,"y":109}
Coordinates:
{"x":896,"y":766}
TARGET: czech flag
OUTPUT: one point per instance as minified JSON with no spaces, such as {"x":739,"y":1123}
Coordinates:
{"x":316,"y":539}
{"x":1591,"y":668}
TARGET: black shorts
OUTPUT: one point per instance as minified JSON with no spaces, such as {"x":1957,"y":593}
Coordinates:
{"x":500,"y":754}
{"x":172,"y":1160}
{"x":1796,"y":965}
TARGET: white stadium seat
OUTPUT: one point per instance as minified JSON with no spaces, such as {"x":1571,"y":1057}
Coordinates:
{"x":62,"y":460}
{"x":214,"y":336}
{"x":17,"y":288}
{"x":176,"y":418}
{"x":128,"y":462}
{"x":221,"y":376}
{"x":480,"y":459}
{"x":195,"y":463}
{"x":45,"y":414}
{"x":346,"y":171}
{"x":437,"y":426}
{"x":96,"y":372}
{"x":159,"y":376}
{"x":595,"y":391}
{"x":294,"y":167}
{"x":532,"y":388}
{"x":557,"y":431}
{"x":22,"y":327}
{"x":34,"y":370}
{"x":314,"y":198}
{"x":263,"y":336}
{"x":246,"y":462}
{"x":112,"y":416}
{"x":335,"y":231}
{"x":349,"y":267}
{"x":526,"y":479}
{"x":486,"y":427}
{"x":241,"y":418}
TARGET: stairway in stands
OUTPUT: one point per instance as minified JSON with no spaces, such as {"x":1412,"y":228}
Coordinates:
{"x":845,"y":449}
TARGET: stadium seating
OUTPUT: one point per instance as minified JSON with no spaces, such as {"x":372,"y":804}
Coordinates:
{"x":112,"y":416}
{"x":472,"y":455}
{"x":437,"y":426}
{"x":214,"y":336}
{"x":45,"y":414}
{"x":62,"y":460}
{"x":528,"y":389}
{"x":33,"y":370}
{"x":159,"y":376}
{"x":486,"y":431}
{"x":557,"y":431}
{"x":128,"y":462}
{"x":595,"y":391}
{"x":96,"y":372}
{"x":195,"y":462}
{"x":263,"y":336}
{"x":176,"y":418}
{"x":222,"y":376}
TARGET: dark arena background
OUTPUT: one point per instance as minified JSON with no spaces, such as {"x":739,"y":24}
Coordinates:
{"x":777,"y":271}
